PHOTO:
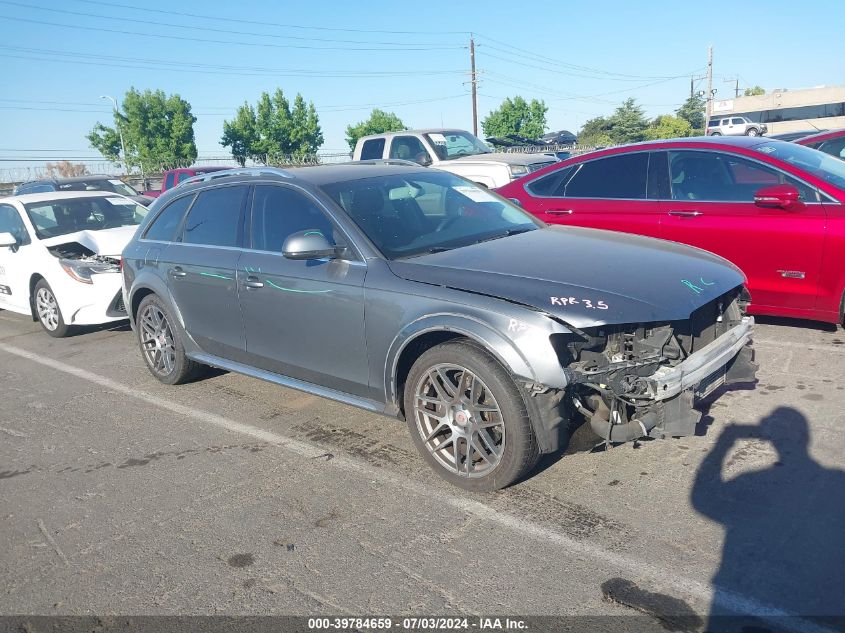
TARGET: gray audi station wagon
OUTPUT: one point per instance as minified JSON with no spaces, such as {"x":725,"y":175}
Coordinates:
{"x":418,"y":294}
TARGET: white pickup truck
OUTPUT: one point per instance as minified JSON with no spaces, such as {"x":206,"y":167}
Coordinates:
{"x":456,"y":151}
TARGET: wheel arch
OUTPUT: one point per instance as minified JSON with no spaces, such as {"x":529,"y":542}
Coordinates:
{"x":431,"y":330}
{"x":33,"y":281}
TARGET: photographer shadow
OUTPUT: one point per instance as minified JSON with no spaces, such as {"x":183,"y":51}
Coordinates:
{"x":784,"y":547}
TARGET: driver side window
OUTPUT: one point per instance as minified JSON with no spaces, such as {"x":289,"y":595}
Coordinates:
{"x":409,"y":148}
{"x":11,"y":222}
{"x":279,"y":212}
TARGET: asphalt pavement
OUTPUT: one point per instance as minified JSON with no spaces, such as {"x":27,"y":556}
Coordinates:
{"x":232,"y":496}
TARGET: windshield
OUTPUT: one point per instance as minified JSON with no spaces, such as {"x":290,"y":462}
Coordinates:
{"x":818,"y":163}
{"x":427,"y":212}
{"x":450,"y":145}
{"x":60,"y":217}
{"x":113,"y":185}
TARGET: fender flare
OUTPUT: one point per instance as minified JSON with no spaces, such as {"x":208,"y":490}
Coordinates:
{"x":473,"y":328}
{"x":158,"y":287}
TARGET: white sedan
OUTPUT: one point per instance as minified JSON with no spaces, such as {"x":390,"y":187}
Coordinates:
{"x":60,"y":256}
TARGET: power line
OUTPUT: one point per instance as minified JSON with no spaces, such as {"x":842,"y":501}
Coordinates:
{"x":228,"y":42}
{"x":263,"y":23}
{"x":227,"y":31}
{"x":192,"y":67}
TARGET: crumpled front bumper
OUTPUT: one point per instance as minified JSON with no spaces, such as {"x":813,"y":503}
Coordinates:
{"x":667,"y":382}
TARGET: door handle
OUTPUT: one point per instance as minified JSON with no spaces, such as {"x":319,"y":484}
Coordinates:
{"x":686,"y":214}
{"x":252,"y":282}
{"x":178,"y":272}
{"x":560,"y":211}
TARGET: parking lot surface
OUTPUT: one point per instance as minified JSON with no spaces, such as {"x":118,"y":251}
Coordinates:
{"x":234,"y":496}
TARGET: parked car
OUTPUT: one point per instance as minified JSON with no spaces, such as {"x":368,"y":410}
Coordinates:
{"x":108,"y":184}
{"x":830,"y":142}
{"x":60,"y":253}
{"x":774,"y":209}
{"x":561,"y":137}
{"x":455,"y":151}
{"x":172,"y":177}
{"x":794,"y":136}
{"x":416,"y":293}
{"x":735,"y":126}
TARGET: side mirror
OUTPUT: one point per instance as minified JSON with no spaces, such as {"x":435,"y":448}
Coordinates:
{"x":423,"y":159}
{"x":310,"y":244}
{"x":7,"y":239}
{"x":778,"y":197}
{"x":516,"y":201}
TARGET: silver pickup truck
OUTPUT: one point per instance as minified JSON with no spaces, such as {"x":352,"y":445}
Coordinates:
{"x":456,"y":151}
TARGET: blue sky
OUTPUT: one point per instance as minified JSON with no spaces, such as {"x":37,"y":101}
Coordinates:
{"x":583,"y":58}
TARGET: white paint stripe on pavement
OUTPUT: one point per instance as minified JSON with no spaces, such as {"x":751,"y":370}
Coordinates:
{"x":725,"y":599}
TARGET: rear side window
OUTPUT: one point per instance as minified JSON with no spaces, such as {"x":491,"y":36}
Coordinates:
{"x":374,"y":148}
{"x":278,"y":212}
{"x":215,"y":217}
{"x":834,"y":147}
{"x":551,"y":185}
{"x":622,"y":176}
{"x":167,"y":223}
{"x":168,"y":180}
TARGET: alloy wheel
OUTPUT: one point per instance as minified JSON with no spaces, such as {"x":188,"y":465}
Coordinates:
{"x":459,"y":420}
{"x":157,"y":340}
{"x":47,"y":308}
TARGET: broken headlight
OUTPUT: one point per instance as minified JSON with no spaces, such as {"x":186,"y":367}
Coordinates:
{"x":81,"y":270}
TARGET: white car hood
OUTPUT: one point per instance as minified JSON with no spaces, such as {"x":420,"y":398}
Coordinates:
{"x":105,"y":242}
{"x":509,"y":158}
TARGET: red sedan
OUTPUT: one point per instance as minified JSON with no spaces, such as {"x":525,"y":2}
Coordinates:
{"x":775,"y":209}
{"x":831,"y":142}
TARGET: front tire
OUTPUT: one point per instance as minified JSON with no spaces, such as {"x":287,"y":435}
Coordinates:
{"x":48,"y":312}
{"x":468,"y":419}
{"x":753,"y":132}
{"x":715,"y":134}
{"x":161,"y":345}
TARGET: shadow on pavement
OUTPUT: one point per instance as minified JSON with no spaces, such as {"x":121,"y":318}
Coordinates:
{"x":784,"y":526}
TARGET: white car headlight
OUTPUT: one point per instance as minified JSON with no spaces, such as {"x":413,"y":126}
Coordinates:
{"x":81,"y":270}
{"x":518,"y":170}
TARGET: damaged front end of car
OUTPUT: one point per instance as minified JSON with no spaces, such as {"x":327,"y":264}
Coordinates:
{"x":644,"y":380}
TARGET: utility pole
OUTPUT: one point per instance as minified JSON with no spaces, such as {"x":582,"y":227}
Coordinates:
{"x":474,"y":82}
{"x":119,"y":129}
{"x":708,"y":110}
{"x":736,"y":87}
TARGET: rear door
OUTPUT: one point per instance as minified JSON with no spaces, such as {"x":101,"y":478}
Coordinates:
{"x":303,"y":318}
{"x":610,"y":192}
{"x":711,"y":206}
{"x":200,"y":269}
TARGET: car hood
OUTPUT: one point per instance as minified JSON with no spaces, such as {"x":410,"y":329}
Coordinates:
{"x":573,"y":273}
{"x":509,"y":158}
{"x":142,"y":199}
{"x":105,"y":242}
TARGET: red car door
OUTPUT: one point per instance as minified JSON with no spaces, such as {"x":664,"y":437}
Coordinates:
{"x":711,"y":206}
{"x":610,"y":192}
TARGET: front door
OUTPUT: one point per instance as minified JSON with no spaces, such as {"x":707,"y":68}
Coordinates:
{"x":16,"y":263}
{"x":303,"y":318}
{"x":712,"y":207}
{"x":200,"y":269}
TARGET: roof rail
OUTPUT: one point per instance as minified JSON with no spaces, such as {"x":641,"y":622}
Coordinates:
{"x":238,"y":171}
{"x":383,"y":161}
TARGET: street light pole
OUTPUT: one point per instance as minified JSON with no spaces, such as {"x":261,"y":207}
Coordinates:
{"x":119,"y":129}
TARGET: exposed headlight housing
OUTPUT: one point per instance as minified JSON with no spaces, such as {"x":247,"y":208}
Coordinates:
{"x":81,"y":270}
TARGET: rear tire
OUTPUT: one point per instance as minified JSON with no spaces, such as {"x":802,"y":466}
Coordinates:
{"x":161,"y":344}
{"x":468,"y":419}
{"x":48,"y":312}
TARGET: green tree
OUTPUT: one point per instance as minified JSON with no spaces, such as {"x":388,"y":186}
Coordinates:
{"x":627,"y":124}
{"x":272,"y":131}
{"x":755,"y":91}
{"x":692,"y":111}
{"x":378,"y":123}
{"x":517,"y":116}
{"x":595,"y":133}
{"x":158,"y":131}
{"x":668,"y":126}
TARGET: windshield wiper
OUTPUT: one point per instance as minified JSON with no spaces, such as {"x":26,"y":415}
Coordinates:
{"x":507,"y":233}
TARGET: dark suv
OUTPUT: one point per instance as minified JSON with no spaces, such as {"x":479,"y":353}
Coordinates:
{"x":83,"y":183}
{"x":416,"y":293}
